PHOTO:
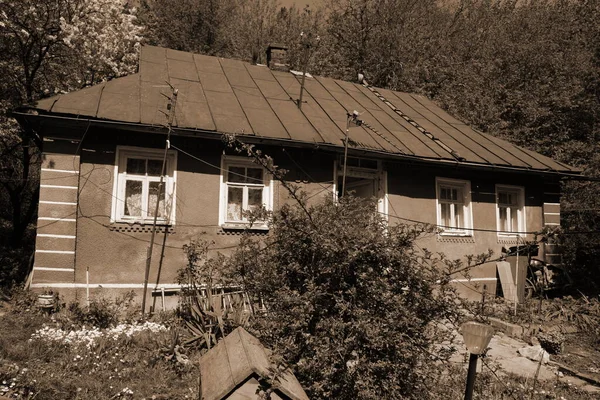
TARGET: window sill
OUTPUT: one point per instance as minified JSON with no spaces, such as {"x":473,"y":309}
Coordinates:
{"x":141,"y":222}
{"x":455,"y":234}
{"x":236,"y":227}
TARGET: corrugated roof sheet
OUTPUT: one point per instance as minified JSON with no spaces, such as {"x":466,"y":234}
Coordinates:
{"x":231,"y":96}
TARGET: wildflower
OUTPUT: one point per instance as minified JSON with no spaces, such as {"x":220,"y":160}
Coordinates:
{"x":88,"y":337}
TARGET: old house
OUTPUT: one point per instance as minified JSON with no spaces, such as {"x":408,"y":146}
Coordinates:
{"x":104,"y":147}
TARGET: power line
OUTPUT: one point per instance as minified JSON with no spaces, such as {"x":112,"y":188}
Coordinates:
{"x":226,"y":170}
{"x":323,"y":189}
{"x":470,"y":229}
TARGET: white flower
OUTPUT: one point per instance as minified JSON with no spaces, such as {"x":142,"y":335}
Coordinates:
{"x":88,"y":337}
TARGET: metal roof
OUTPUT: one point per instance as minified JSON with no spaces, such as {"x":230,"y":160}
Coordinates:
{"x":234,"y":360}
{"x":230,"y":96}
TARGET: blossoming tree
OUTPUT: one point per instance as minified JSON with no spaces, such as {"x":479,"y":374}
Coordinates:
{"x":47,"y":47}
{"x":45,"y":39}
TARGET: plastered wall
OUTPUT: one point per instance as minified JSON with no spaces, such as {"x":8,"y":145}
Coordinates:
{"x":109,"y":258}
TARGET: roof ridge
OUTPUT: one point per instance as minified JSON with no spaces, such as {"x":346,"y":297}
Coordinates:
{"x":424,"y":131}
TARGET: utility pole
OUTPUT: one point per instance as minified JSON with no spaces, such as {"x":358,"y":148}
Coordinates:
{"x":345,"y":155}
{"x":354,"y":119}
{"x":170,"y":117}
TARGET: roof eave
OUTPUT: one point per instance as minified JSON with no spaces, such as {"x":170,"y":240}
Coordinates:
{"x":33,"y":115}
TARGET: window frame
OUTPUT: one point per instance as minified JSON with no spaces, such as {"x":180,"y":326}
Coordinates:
{"x":267,"y":194}
{"x":378,"y":174}
{"x":120,"y":178}
{"x":521,"y":211}
{"x":467,"y":210}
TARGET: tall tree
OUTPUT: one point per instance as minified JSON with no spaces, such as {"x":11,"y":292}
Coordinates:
{"x":381,"y":38}
{"x":189,"y":25}
{"x":240,"y":29}
{"x":51,"y":46}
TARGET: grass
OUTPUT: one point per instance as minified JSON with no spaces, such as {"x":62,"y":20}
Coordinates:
{"x":130,"y":367}
{"x":142,"y":366}
{"x":492,"y":385}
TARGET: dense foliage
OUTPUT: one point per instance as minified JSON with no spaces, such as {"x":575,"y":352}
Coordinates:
{"x":527,"y":70}
{"x":351,"y":303}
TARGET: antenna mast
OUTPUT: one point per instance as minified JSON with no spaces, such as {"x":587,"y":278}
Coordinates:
{"x":170,"y":116}
{"x":308,"y":42}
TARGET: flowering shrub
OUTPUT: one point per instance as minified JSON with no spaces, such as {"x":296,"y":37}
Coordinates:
{"x":56,"y":45}
{"x":352,"y":301}
{"x":107,"y":39}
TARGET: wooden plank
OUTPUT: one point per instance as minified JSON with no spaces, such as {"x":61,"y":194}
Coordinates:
{"x":215,"y":373}
{"x":506,"y":280}
{"x":237,"y":358}
{"x":255,"y":352}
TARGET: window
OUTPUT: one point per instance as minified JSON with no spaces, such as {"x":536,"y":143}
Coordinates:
{"x":245,"y":186}
{"x":136,"y":187}
{"x":454,"y":207}
{"x":510,"y":210}
{"x":364,"y":178}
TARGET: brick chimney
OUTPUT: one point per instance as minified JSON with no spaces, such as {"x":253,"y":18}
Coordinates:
{"x":277,"y":57}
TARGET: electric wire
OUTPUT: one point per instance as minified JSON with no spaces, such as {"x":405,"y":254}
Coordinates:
{"x":324,"y":188}
{"x":472,"y":229}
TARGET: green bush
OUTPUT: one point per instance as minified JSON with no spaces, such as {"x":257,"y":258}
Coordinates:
{"x":351,"y":301}
{"x":102,"y":312}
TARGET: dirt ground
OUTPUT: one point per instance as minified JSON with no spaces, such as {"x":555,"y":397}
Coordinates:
{"x":502,"y":357}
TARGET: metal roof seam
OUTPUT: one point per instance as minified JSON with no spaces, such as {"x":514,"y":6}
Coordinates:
{"x":212,"y":118}
{"x":321,"y":107}
{"x":267,"y":101}
{"x":300,"y":109}
{"x":474,"y":141}
{"x":460,"y":141}
{"x":236,"y":98}
{"x":413,"y":123}
{"x":489,"y":139}
{"x":483,"y":136}
{"x":347,"y":111}
{"x":367,"y":146}
{"x":419,"y":137}
{"x":371,"y":128}
{"x":529,"y":153}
